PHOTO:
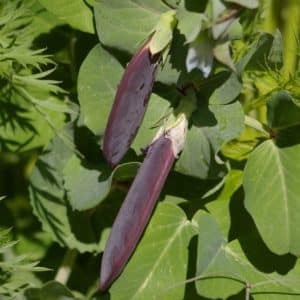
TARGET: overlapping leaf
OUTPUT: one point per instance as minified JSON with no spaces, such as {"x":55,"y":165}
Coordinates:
{"x":214,"y":125}
{"x":226,"y":266}
{"x":159,"y":264}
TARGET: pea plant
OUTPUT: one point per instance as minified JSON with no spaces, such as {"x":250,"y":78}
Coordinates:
{"x":154,"y":146}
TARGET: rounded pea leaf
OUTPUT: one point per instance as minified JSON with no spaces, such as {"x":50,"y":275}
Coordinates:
{"x":272,"y":195}
{"x":74,"y":12}
{"x":226,"y":266}
{"x":98,"y":79}
{"x":214,"y":125}
{"x":125,"y":24}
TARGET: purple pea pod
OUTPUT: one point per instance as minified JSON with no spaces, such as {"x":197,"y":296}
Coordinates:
{"x":140,"y":201}
{"x":130,"y":104}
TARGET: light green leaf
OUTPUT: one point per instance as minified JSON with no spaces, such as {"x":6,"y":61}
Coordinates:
{"x":88,"y":185}
{"x":219,"y":208}
{"x":227,"y":267}
{"x":157,"y":269}
{"x":163,"y":32}
{"x":74,"y":12}
{"x":282,"y":111}
{"x":272,"y":189}
{"x":189,"y":23}
{"x":223,"y":55}
{"x":214,"y":125}
{"x":239,"y":149}
{"x":227,"y":92}
{"x":125,"y":24}
{"x":98,"y":79}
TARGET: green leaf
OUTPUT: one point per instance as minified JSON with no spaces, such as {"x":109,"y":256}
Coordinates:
{"x":223,"y":55}
{"x":84,"y":231}
{"x":239,"y":149}
{"x":50,"y":291}
{"x":98,"y":79}
{"x":88,"y":185}
{"x":219,"y":208}
{"x":226,"y":266}
{"x":214,"y":125}
{"x":163,"y":32}
{"x":99,"y":76}
{"x":189,"y":23}
{"x":125,"y":24}
{"x":246,"y":3}
{"x":157,"y":269}
{"x":25,"y":126}
{"x":271,"y":190}
{"x":282,"y":111}
{"x":227,"y":92}
{"x":255,"y":57}
{"x":74,"y":12}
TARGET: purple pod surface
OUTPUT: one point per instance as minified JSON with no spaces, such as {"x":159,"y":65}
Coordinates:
{"x":136,"y":209}
{"x":129,"y":105}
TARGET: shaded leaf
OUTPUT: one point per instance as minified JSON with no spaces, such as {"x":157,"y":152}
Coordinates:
{"x":227,"y":92}
{"x":282,"y":111}
{"x":214,"y":125}
{"x":246,"y":3}
{"x":88,"y":185}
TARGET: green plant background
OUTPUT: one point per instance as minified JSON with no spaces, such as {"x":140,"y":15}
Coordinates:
{"x":227,"y":222}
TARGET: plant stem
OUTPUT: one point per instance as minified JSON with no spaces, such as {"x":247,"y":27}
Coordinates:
{"x":272,"y":20}
{"x":65,"y":269}
{"x":291,"y":18}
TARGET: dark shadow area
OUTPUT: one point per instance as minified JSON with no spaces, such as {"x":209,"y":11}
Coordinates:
{"x":240,"y":296}
{"x":203,"y":116}
{"x":244,"y":229}
{"x":88,"y":226}
{"x":195,"y":6}
{"x":190,"y":289}
{"x":288,"y":137}
{"x":68,"y":48}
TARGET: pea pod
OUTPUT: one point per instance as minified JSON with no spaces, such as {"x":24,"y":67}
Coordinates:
{"x":130,"y":104}
{"x":140,"y":202}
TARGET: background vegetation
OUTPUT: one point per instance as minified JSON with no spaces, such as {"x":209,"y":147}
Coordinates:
{"x":227,"y":225}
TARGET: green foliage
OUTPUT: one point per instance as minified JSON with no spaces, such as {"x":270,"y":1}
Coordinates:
{"x":227,"y":222}
{"x":15,"y":272}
